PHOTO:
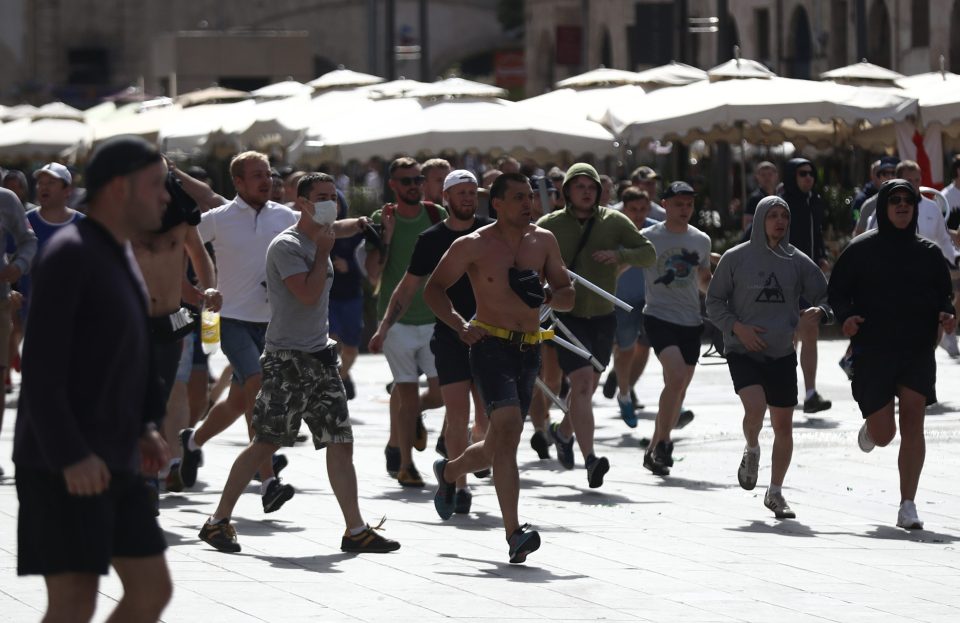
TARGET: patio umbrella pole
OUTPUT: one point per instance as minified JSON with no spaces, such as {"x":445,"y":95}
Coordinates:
{"x":743,"y":168}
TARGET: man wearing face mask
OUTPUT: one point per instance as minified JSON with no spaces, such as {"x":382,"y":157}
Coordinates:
{"x":891,"y":291}
{"x":300,"y":377}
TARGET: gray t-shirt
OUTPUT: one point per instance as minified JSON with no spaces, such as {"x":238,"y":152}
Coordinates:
{"x":293,"y":325}
{"x":672,"y":284}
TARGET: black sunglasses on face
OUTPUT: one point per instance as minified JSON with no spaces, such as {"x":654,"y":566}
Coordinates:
{"x":805,"y":173}
{"x":895,"y":200}
{"x":409,"y":181}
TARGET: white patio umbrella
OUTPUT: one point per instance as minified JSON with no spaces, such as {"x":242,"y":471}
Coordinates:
{"x":343,"y":78}
{"x":20,"y":111}
{"x":42,"y":138}
{"x":456,"y":87}
{"x":189,"y":131}
{"x":211,"y":95}
{"x":600,"y":76}
{"x":143,"y":120}
{"x":673,"y":74}
{"x":588,"y":103}
{"x":281,"y":90}
{"x":862,"y":73}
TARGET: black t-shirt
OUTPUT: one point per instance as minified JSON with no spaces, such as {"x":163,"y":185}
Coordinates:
{"x":430,"y":247}
{"x":181,"y":209}
{"x":349,"y":285}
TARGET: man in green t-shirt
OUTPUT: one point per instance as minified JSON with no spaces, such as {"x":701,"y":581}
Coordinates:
{"x":407,"y":346}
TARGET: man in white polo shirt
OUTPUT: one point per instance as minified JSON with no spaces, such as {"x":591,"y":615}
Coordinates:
{"x":240,"y":232}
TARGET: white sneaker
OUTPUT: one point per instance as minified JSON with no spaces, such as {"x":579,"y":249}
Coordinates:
{"x":863,"y":439}
{"x":779,"y":506}
{"x":949,"y":344}
{"x":749,"y":469}
{"x":907,"y":517}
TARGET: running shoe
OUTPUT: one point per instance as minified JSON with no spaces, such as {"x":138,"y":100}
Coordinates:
{"x":907,"y":516}
{"x":221,"y":535}
{"x":349,"y":388}
{"x":441,"y":446}
{"x":749,"y":469}
{"x":668,"y":456}
{"x":541,"y":444}
{"x":368,"y":541}
{"x":392,"y":455}
{"x":445,"y":499}
{"x":627,"y":413}
{"x":597,"y":467}
{"x":276,"y":495}
{"x":173,"y":483}
{"x":863,"y":439}
{"x":686,"y":416}
{"x":420,"y":437}
{"x":191,"y":461}
{"x":523,"y":541}
{"x":636,"y":403}
{"x":483,"y":473}
{"x":279,"y":463}
{"x":409,"y":477}
{"x":610,"y":385}
{"x":655,"y":460}
{"x":464,"y":501}
{"x":816,"y":403}
{"x":564,"y":448}
{"x":779,"y":506}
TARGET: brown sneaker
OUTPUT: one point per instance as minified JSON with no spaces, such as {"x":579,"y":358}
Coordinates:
{"x":420,"y":436}
{"x":221,"y":535}
{"x":368,"y":541}
{"x":409,"y":476}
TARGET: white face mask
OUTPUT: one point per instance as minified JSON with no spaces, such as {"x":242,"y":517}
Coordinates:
{"x":325,"y":212}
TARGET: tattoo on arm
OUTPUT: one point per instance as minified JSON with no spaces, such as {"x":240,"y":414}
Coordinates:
{"x":394,"y":314}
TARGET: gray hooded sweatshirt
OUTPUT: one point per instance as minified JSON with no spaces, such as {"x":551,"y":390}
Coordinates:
{"x":762,"y":286}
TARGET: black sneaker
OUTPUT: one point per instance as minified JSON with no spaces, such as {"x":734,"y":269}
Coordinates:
{"x":441,"y":446}
{"x":173,"y":483}
{"x":464,"y":500}
{"x":276,"y":496}
{"x":279,"y":463}
{"x":153,"y":485}
{"x":393,"y":460}
{"x":368,"y":541}
{"x":523,"y":541}
{"x":636,"y":403}
{"x":483,"y":473}
{"x":191,"y":460}
{"x":541,"y":444}
{"x":420,"y":436}
{"x":610,"y":385}
{"x":564,"y":448}
{"x":445,"y":499}
{"x":221,"y":535}
{"x":686,"y":416}
{"x":349,"y":388}
{"x":668,"y":455}
{"x":655,"y":460}
{"x":596,"y":469}
{"x":816,"y":403}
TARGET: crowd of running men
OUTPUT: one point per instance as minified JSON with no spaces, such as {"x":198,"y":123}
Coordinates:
{"x":509,"y":294}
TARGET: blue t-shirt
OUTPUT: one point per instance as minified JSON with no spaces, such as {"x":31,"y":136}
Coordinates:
{"x":630,"y":284}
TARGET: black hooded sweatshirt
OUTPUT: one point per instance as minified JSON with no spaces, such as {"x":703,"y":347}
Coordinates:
{"x":806,"y":212}
{"x":896,"y":280}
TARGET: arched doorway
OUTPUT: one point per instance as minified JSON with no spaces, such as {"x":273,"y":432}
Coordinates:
{"x":955,"y":37}
{"x":800,"y":51}
{"x":606,"y":49}
{"x":879,"y":38}
{"x":730,"y":38}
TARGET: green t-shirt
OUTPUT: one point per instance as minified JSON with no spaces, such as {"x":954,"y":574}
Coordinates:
{"x":405,"y":234}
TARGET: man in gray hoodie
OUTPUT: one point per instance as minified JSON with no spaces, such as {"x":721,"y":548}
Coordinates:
{"x":754,"y":299}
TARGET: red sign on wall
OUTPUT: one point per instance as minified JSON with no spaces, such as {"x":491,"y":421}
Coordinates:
{"x":509,"y":69}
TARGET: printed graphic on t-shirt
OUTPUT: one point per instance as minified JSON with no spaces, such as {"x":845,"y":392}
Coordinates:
{"x":770,"y":291}
{"x":677,"y":266}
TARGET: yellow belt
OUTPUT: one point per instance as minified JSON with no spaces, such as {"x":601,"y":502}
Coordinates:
{"x":518,"y":337}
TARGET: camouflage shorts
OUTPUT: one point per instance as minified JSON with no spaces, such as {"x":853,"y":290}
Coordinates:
{"x":297,"y":386}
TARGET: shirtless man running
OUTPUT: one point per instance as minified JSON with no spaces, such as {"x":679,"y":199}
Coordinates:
{"x":505,"y":262}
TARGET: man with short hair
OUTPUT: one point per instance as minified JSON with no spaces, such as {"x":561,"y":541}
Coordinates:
{"x":451,"y":355}
{"x":434,"y":172}
{"x":300,"y":377}
{"x":886,"y":170}
{"x":606,"y":195}
{"x":671,"y":315}
{"x":407,"y":347}
{"x":594,"y":242}
{"x":504,"y":262}
{"x":16,"y":182}
{"x":768,"y":178}
{"x":89,"y":406}
{"x":240,"y":232}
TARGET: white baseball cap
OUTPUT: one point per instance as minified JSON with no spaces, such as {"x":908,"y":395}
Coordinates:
{"x":57,"y":170}
{"x":460,"y":176}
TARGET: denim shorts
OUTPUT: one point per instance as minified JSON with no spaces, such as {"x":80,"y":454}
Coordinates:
{"x":505,"y":373}
{"x":242,"y":343}
{"x":346,"y":320}
{"x":630,"y":327}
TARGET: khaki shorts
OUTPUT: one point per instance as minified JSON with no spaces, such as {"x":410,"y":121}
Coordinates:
{"x":6,"y":327}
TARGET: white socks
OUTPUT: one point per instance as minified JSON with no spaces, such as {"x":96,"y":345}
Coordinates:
{"x":266,"y":485}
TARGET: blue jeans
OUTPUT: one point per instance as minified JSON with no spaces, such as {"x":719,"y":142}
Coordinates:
{"x":242,"y":343}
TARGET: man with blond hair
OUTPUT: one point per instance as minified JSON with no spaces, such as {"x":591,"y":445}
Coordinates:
{"x":434,"y":172}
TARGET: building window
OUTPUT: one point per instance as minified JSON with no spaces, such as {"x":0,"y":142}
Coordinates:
{"x":88,"y":66}
{"x":838,"y":34}
{"x":920,"y":23}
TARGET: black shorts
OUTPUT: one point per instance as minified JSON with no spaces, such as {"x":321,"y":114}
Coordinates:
{"x":597,"y":335}
{"x":166,"y":358}
{"x":505,"y":373}
{"x":778,"y":377}
{"x":62,"y":533}
{"x":451,"y":356}
{"x":663,"y":334}
{"x":877,"y":375}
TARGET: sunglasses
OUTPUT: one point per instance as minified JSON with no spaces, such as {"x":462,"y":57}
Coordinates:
{"x":410,"y":181}
{"x":895,"y":200}
{"x":805,"y":173}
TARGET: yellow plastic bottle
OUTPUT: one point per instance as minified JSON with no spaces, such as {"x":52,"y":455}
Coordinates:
{"x":210,"y":331}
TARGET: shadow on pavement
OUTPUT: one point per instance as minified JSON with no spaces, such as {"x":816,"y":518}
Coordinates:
{"x":592,"y":498}
{"x":891,"y":533}
{"x":696,"y":485}
{"x":817,"y":423}
{"x":941,"y":408}
{"x":518,"y":573}
{"x":786,"y":527}
{"x":318,"y":564}
{"x":173,"y":539}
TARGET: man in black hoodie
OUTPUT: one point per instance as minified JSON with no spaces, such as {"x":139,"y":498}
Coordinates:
{"x":891,"y":291}
{"x":806,"y":234}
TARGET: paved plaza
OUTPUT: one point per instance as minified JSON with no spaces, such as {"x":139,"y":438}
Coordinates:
{"x":690,"y":547}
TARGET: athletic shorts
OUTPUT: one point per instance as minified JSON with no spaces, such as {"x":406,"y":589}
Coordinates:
{"x":630,"y":327}
{"x":778,"y":377}
{"x":451,"y":356}
{"x":663,"y":334}
{"x":242,"y":342}
{"x":185,"y":367}
{"x":166,"y":357}
{"x":407,"y":349}
{"x":505,"y":373}
{"x":877,"y":375}
{"x":346,"y":320}
{"x":299,"y":386}
{"x":199,"y":357}
{"x":62,"y":533}
{"x":6,"y":328}
{"x":595,"y":333}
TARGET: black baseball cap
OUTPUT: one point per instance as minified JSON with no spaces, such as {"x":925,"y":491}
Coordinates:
{"x":677,"y":188}
{"x":117,"y":157}
{"x":888,"y":162}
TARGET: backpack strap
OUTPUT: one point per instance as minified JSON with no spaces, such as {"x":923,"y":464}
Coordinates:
{"x":432,"y":211}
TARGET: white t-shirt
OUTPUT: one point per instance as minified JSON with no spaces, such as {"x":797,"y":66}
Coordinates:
{"x":240,"y":236}
{"x":930,"y":225}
